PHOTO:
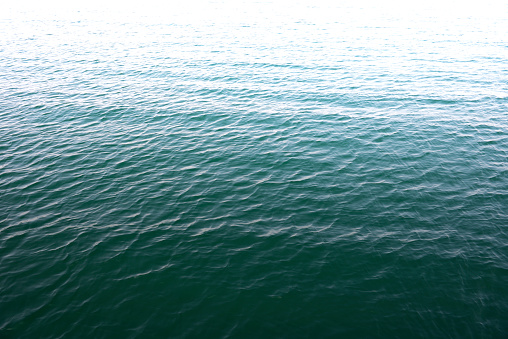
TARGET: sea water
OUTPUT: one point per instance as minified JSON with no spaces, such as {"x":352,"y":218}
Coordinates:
{"x":254,"y":169}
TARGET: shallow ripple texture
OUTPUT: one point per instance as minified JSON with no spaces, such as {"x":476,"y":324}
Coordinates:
{"x":249,"y":170}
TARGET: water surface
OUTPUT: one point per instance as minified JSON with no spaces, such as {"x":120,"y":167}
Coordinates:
{"x":246,"y":170}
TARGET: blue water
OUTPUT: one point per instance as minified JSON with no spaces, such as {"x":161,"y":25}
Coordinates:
{"x":254,"y":169}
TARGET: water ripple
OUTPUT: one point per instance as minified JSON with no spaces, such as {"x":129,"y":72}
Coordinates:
{"x":274,"y":173}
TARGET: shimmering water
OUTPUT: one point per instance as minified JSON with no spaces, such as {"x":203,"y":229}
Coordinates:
{"x":254,"y":169}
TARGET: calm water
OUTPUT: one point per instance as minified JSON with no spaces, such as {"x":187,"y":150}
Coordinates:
{"x":254,"y":169}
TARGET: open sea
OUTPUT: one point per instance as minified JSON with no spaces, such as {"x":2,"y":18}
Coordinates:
{"x":254,"y":169}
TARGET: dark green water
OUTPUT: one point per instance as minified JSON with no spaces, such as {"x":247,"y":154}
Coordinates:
{"x":315,"y":171}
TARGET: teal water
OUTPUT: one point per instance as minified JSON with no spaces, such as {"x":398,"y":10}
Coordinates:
{"x":245,"y":170}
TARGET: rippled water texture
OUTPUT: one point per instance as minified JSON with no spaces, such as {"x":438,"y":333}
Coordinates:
{"x":250,"y":170}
